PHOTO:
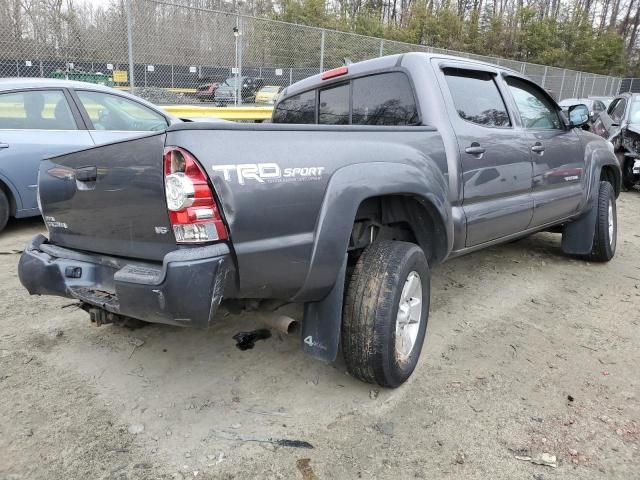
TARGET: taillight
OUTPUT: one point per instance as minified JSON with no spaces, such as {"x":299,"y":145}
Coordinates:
{"x":193,"y":212}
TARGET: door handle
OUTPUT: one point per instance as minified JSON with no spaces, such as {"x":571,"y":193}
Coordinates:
{"x":86,"y":174}
{"x":475,"y":149}
{"x":4,"y":145}
{"x":537,"y":148}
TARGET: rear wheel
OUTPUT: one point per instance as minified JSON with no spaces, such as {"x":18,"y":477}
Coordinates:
{"x":4,"y":210}
{"x":386,"y":312}
{"x":606,"y":231}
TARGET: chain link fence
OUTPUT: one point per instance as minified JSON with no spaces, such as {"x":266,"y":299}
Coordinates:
{"x":185,"y":54}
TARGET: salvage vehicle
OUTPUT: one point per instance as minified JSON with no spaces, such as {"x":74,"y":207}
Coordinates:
{"x":370,"y":175}
{"x":605,"y":100}
{"x":595,"y":106}
{"x":268,"y":94}
{"x":620,"y":124}
{"x":45,"y":117}
{"x":206,"y":92}
{"x":228,"y":90}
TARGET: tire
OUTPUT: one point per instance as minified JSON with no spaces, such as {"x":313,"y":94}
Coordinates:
{"x":5,"y":209}
{"x":374,"y":294}
{"x":628,"y":178}
{"x":606,"y":231}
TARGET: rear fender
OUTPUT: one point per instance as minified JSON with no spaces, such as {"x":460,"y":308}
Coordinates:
{"x":347,"y":189}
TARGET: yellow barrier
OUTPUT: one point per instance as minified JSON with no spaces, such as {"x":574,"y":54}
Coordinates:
{"x":226,"y":113}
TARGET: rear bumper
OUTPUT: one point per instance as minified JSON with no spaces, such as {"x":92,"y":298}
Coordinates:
{"x":185,"y":290}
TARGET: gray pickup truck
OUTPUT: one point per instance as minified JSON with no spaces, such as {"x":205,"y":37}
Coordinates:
{"x":368,"y":176}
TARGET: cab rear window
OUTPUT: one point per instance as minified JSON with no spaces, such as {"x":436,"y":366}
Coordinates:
{"x":381,"y":99}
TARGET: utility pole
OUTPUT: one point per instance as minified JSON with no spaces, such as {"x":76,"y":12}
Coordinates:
{"x":130,"y":46}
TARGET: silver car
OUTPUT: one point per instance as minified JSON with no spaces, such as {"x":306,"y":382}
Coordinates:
{"x":40,"y":118}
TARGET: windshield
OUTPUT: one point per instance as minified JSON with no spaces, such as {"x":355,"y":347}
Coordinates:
{"x":270,"y":89}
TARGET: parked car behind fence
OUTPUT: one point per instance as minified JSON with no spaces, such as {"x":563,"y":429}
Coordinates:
{"x":40,"y":118}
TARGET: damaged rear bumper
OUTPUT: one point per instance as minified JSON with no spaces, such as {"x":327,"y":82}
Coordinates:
{"x":184,"y":290}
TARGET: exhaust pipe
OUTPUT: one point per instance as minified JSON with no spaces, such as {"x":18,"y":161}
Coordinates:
{"x":282,"y":324}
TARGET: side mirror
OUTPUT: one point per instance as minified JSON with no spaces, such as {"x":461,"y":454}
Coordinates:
{"x":578,"y":115}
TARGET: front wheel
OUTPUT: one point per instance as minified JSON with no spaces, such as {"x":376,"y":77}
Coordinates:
{"x":606,"y":231}
{"x":385,"y":313}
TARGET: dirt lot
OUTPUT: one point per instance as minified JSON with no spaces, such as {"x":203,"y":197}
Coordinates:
{"x":527,"y":352}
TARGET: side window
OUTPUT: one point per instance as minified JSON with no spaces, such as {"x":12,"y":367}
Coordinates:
{"x":334,"y":105}
{"x":36,"y":110}
{"x":112,"y":112}
{"x":536,"y":111}
{"x":617,"y":111}
{"x":297,"y":109}
{"x":599,"y":106}
{"x":384,"y":99}
{"x":477,"y":98}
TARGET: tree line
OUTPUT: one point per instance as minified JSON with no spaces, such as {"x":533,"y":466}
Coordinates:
{"x":599,"y":36}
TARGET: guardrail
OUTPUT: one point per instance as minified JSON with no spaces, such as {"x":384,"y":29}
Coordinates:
{"x":225,"y":113}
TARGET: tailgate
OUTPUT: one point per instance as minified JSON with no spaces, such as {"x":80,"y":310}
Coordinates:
{"x":109,"y":199}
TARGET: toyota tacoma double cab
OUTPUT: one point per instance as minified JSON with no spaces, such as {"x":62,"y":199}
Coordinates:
{"x":367,"y":177}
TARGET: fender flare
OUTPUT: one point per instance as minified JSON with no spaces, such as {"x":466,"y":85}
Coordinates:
{"x":346,"y":190}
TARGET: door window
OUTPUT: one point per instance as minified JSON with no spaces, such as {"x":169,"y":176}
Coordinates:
{"x":385,"y":99}
{"x":334,"y":106}
{"x":617,"y":110}
{"x":296,"y":109}
{"x":536,"y":110}
{"x":477,"y":98}
{"x":36,"y":110}
{"x":113,"y":112}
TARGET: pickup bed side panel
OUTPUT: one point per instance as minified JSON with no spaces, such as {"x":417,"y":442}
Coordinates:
{"x":272,"y":182}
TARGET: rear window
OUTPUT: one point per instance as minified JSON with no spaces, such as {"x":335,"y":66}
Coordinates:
{"x":334,"y":106}
{"x":385,"y":99}
{"x":297,"y":109}
{"x":381,"y":99}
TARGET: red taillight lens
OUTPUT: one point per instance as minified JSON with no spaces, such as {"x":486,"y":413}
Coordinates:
{"x":336,"y":72}
{"x":193,"y":212}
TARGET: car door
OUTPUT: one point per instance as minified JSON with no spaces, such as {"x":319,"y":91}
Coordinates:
{"x":113,"y":117}
{"x":494,"y":156}
{"x":556,"y":152}
{"x":35,"y":124}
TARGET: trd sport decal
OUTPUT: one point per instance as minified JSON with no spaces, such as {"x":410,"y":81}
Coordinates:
{"x":268,"y":173}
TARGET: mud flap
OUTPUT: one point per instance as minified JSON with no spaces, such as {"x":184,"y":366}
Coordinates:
{"x":323,"y":320}
{"x":577,"y":236}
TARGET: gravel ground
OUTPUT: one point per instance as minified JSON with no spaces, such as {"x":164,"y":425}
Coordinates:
{"x":529,"y":355}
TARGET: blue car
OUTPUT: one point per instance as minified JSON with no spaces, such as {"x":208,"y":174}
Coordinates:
{"x":40,"y":118}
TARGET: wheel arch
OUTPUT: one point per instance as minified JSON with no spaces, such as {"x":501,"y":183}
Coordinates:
{"x":424,"y":192}
{"x":415,"y":215}
{"x":611,"y":174}
{"x":11,"y":196}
